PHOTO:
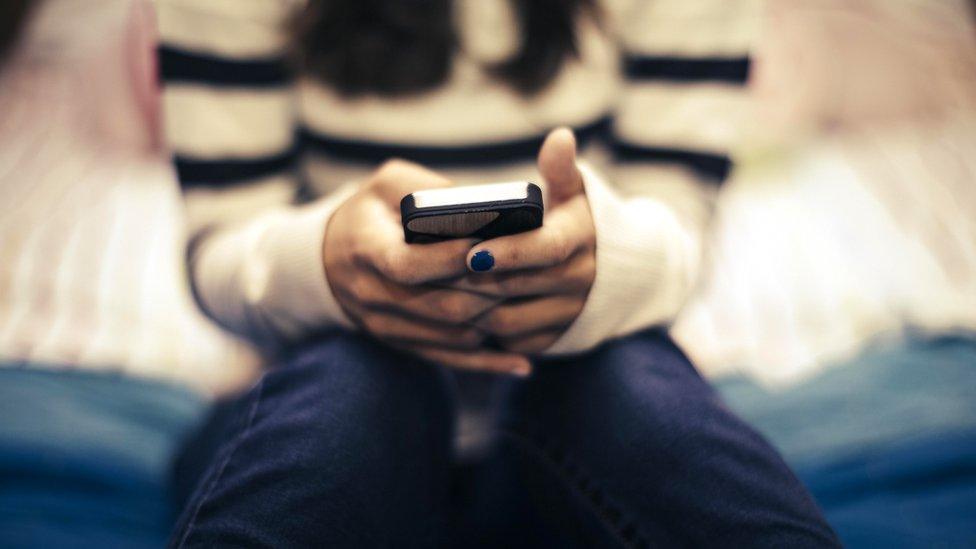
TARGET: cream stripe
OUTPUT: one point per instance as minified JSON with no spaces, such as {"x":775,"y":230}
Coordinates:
{"x":688,"y":29}
{"x":205,"y":206}
{"x":470,"y":109}
{"x":707,"y":117}
{"x":206,"y":122}
{"x":237,"y":28}
{"x":325,"y":174}
{"x":676,"y":186}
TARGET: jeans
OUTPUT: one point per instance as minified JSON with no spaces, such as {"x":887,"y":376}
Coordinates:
{"x":348,"y":444}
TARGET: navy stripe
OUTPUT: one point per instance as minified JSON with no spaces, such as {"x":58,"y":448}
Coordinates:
{"x":707,"y":165}
{"x":732,"y":70}
{"x":195,"y":172}
{"x":177,"y":65}
{"x":518,"y":150}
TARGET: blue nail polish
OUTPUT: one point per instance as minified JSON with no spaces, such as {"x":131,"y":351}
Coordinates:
{"x":482,"y":261}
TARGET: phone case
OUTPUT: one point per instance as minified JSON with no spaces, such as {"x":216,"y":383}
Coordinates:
{"x":482,"y":219}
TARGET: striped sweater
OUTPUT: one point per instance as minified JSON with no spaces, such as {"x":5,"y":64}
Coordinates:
{"x":94,"y":226}
{"x":657,"y":99}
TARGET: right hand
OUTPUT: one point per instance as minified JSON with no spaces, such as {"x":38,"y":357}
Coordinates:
{"x":382,"y":282}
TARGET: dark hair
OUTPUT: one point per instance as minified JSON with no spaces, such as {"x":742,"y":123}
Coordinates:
{"x":407,"y":46}
{"x":13,"y":13}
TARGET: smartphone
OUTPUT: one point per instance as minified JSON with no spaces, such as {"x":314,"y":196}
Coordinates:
{"x":477,"y":211}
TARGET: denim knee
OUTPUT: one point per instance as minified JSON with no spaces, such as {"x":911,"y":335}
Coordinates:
{"x":350,"y":389}
{"x":345,"y":444}
{"x":613,"y":396}
{"x":635,"y":432}
{"x":626,"y":411}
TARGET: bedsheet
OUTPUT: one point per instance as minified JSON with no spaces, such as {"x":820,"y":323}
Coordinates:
{"x":886,"y":442}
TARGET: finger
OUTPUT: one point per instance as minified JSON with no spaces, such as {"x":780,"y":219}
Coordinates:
{"x":484,"y":361}
{"x":382,"y":248}
{"x":413,"y":264}
{"x":532,"y":316}
{"x":532,"y":344}
{"x":397,"y":178}
{"x":570,"y":277}
{"x":557,"y":164}
{"x":560,"y":237}
{"x":393,"y":328}
{"x":441,"y":305}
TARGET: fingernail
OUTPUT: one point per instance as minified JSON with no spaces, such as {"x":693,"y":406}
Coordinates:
{"x":482,"y":261}
{"x":522,"y":371}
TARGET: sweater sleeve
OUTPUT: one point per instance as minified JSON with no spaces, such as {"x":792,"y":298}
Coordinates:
{"x":682,"y":106}
{"x":254,"y":250}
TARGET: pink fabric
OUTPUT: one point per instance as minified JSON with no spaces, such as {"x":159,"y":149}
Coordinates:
{"x":825,"y":65}
{"x":92,"y":236}
{"x":141,"y":41}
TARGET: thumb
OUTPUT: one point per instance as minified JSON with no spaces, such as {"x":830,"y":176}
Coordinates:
{"x":557,"y":164}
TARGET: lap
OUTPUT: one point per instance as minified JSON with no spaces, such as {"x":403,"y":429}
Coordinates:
{"x":620,"y":446}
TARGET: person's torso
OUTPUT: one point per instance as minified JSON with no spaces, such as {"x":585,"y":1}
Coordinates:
{"x":474,"y":127}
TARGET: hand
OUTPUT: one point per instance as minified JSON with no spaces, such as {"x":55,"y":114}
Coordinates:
{"x":543,"y":275}
{"x":382,"y":282}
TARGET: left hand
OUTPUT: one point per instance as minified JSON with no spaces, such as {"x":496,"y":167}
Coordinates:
{"x":381,"y":282}
{"x":543,"y":275}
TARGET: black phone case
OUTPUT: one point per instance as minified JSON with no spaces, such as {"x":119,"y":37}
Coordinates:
{"x":515,"y":216}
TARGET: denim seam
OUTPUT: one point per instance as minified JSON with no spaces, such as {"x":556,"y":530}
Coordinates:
{"x":613,"y":527}
{"x":245,"y":430}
